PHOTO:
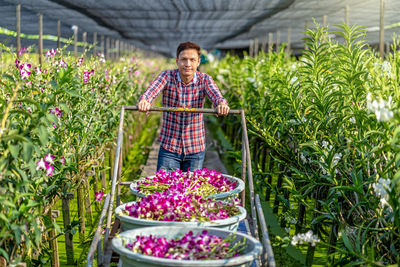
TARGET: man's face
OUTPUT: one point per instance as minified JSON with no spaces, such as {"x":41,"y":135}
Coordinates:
{"x":188,"y":61}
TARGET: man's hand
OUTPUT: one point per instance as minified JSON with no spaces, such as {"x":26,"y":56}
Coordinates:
{"x":144,"y":106}
{"x":223,"y":109}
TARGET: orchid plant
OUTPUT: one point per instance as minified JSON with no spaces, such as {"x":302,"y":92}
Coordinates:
{"x":201,"y":246}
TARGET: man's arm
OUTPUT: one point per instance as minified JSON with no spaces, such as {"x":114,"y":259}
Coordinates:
{"x":152,"y":92}
{"x":215,"y":96}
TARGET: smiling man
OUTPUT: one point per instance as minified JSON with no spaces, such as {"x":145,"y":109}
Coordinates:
{"x":182,"y":137}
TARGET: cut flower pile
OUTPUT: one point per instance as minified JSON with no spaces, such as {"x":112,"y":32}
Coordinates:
{"x":175,"y":206}
{"x":202,"y":182}
{"x":201,"y":246}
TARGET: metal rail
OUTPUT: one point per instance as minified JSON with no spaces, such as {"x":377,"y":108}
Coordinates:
{"x":268,"y":259}
{"x":105,"y":258}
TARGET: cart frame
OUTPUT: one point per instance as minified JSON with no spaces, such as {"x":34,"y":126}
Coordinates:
{"x":104,"y":251}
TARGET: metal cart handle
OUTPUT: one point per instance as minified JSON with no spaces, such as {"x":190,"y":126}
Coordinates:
{"x":191,"y":110}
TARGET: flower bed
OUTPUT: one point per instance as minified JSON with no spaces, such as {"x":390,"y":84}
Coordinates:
{"x":178,"y":246}
{"x":204,"y":182}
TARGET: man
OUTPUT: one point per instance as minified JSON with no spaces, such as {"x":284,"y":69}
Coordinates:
{"x":182,"y":135}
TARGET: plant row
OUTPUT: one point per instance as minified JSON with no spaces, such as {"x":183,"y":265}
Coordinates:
{"x":324,"y":131}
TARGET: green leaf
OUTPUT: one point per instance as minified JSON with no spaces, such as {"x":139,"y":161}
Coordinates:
{"x":5,"y":255}
{"x":4,"y":218}
{"x":8,"y":76}
{"x":27,"y":151}
{"x":347,"y":241}
{"x":14,"y":149}
{"x":43,"y":135}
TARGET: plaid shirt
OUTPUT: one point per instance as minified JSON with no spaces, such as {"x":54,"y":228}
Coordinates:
{"x":183,"y":132}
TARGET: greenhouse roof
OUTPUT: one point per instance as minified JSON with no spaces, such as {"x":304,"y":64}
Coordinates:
{"x":160,"y":25}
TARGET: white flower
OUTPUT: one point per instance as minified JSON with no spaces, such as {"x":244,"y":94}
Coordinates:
{"x":41,"y":165}
{"x":325,"y":144}
{"x":303,"y":158}
{"x":210,"y":57}
{"x":381,"y":108}
{"x":308,"y":237}
{"x":220,"y":78}
{"x":336,"y":159}
{"x":353,"y":120}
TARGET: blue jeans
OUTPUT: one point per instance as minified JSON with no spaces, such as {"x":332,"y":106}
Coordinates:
{"x":171,"y":161}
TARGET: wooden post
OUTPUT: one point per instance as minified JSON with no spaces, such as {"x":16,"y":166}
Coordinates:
{"x":40,"y":38}
{"x":103,"y":176}
{"x":75,"y":28}
{"x":346,"y":15}
{"x":277,"y":192}
{"x":55,"y":260}
{"x":81,"y":213}
{"x":88,"y":206}
{"x":96,"y":186}
{"x":270,"y":43}
{"x":58,"y":34}
{"x":102,"y":44}
{"x":332,"y":242}
{"x":278,"y":41}
{"x":18,"y":24}
{"x":94,"y":43}
{"x":271,"y":166}
{"x":382,"y":29}
{"x":324,"y":20}
{"x":300,"y":217}
{"x":315,"y":227}
{"x":69,"y":245}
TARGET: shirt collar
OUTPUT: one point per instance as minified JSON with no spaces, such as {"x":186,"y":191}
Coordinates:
{"x":194,"y":77}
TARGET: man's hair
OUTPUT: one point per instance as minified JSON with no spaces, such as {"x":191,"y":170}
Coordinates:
{"x":187,"y":45}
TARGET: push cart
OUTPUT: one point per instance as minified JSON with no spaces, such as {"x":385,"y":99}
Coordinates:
{"x":102,"y":245}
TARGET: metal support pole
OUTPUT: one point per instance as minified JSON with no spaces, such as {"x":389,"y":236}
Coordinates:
{"x":346,"y":15}
{"x":58,"y":34}
{"x":250,"y":176}
{"x":94,"y":43}
{"x":40,"y":38}
{"x":102,"y":44}
{"x":18,"y":24}
{"x":75,"y":41}
{"x":278,"y":41}
{"x":84,"y":36}
{"x":251,"y":48}
{"x":382,"y":29}
{"x":324,"y":20}
{"x":289,"y":30}
{"x":270,"y":41}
